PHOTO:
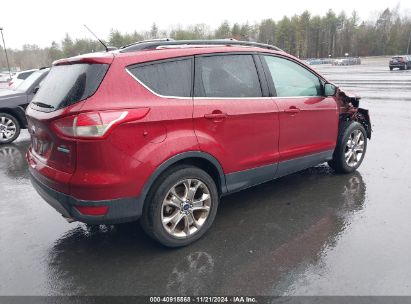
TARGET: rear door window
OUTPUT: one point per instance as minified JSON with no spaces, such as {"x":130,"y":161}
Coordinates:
{"x":291,"y":79}
{"x":68,"y":84}
{"x":168,"y":78}
{"x":226,"y":76}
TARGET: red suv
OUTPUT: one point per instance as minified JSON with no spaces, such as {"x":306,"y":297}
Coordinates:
{"x":163,"y":129}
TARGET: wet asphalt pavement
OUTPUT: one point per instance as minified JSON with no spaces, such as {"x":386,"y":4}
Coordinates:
{"x":311,"y":233}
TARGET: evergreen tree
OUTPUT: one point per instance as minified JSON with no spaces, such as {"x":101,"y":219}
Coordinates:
{"x":303,"y":35}
{"x":223,"y":31}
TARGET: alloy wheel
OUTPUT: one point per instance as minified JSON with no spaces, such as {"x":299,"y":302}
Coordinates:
{"x":7,"y":128}
{"x":354,"y":148}
{"x":186,"y":208}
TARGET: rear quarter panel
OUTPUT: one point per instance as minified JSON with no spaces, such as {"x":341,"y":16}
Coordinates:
{"x":133,"y":151}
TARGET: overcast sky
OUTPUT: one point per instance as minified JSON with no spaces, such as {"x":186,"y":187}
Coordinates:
{"x":42,"y":21}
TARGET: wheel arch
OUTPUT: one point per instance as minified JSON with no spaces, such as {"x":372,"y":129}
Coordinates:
{"x":17,"y":113}
{"x":199,"y":159}
{"x":361,"y":116}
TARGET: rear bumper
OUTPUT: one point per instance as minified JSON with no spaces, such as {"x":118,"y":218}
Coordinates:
{"x":119,"y":210}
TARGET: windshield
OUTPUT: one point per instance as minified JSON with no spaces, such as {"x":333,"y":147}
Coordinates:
{"x":26,"y":84}
{"x":68,"y":84}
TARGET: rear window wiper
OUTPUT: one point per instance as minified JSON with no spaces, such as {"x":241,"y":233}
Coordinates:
{"x":43,"y":105}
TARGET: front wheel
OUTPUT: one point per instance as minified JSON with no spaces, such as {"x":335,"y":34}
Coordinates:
{"x":9,"y":128}
{"x":351,"y":147}
{"x":181,"y":207}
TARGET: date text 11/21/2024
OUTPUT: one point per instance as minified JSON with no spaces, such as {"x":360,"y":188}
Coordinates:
{"x":204,"y":299}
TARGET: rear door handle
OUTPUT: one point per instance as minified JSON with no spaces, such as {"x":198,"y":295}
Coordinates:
{"x":292,"y":110}
{"x":215,"y":116}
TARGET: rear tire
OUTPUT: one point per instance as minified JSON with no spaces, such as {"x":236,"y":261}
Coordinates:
{"x":181,"y":206}
{"x":351,"y":147}
{"x":9,"y":128}
{"x":391,"y":68}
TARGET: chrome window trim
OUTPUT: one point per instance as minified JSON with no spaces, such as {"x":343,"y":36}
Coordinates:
{"x":209,"y":98}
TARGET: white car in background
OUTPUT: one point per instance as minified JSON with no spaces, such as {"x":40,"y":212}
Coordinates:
{"x":19,"y":77}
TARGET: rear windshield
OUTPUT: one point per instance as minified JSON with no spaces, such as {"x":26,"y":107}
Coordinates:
{"x":67,"y":84}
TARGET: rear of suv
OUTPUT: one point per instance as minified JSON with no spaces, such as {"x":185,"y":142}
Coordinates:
{"x":162,"y":130}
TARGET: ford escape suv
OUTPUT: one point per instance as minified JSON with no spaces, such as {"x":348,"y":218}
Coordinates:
{"x":161,"y":130}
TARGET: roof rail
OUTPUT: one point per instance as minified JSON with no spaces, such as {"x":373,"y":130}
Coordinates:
{"x":146,"y":41}
{"x":153,"y":44}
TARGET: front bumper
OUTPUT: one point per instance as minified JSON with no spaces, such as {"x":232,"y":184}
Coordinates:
{"x":119,"y":210}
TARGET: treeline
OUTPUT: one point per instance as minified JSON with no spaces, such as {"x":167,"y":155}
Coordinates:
{"x":304,"y":36}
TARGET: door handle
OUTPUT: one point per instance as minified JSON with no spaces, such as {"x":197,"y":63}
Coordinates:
{"x":215,"y":116}
{"x":292,"y":110}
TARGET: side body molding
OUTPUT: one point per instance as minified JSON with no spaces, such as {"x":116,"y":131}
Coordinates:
{"x":240,"y":180}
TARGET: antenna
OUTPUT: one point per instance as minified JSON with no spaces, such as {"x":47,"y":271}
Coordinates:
{"x":105,"y":46}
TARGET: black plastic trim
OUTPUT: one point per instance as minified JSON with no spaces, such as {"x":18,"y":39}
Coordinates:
{"x":301,"y":163}
{"x":270,"y":82}
{"x":261,"y":76}
{"x":245,"y":179}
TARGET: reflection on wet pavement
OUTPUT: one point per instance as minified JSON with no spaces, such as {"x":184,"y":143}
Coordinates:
{"x":12,"y":160}
{"x":258,"y":234}
{"x":313,"y":232}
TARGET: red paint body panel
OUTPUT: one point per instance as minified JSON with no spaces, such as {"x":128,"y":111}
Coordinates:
{"x":57,"y":180}
{"x":311,"y":130}
{"x":245,"y":139}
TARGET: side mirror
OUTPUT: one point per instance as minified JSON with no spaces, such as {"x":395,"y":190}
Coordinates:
{"x":36,"y":89}
{"x":329,"y":89}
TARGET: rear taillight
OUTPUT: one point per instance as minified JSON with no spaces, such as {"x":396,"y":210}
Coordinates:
{"x":96,"y":124}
